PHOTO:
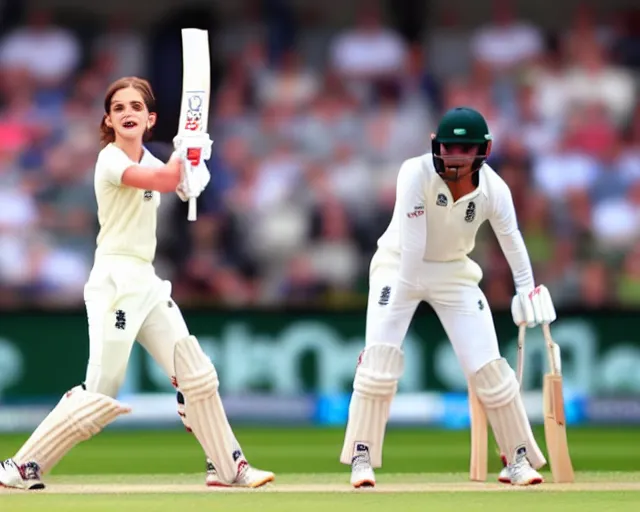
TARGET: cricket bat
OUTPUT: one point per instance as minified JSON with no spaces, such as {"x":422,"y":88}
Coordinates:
{"x":555,"y":425}
{"x":522,"y":332}
{"x":479,"y":426}
{"x":479,"y":439}
{"x":196,"y":88}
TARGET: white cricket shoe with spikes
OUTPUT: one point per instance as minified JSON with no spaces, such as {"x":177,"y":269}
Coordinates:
{"x":519,"y":472}
{"x":362,"y":474}
{"x":24,"y":476}
{"x":247,"y":477}
{"x":505,"y":475}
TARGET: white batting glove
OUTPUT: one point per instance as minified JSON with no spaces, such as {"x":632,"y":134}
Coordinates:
{"x":203,"y":176}
{"x":533,"y":307}
{"x":185,"y":188}
{"x":182,"y":143}
{"x":195,"y":149}
{"x":192,"y":185}
{"x":183,"y":192}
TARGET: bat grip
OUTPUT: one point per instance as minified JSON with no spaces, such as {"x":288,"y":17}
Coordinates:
{"x":193,"y":211}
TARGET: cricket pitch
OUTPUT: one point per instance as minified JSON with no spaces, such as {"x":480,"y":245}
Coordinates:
{"x":327,"y":483}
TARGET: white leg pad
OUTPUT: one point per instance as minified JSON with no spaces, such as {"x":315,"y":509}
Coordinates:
{"x":185,"y":421}
{"x":79,"y":415}
{"x":499,"y":392}
{"x":198,"y":381}
{"x":374,"y":387}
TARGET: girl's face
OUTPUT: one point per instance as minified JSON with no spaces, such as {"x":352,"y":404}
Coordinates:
{"x":129,"y":116}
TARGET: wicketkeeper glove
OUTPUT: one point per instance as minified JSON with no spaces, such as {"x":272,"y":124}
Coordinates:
{"x":533,"y":307}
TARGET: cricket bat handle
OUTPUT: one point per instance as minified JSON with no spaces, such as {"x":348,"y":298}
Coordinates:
{"x":553,"y":351}
{"x":522,"y":332}
{"x":193,"y":210}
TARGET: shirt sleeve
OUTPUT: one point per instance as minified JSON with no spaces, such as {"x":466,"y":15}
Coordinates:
{"x":505,"y":225}
{"x":410,"y":203}
{"x":113,"y":163}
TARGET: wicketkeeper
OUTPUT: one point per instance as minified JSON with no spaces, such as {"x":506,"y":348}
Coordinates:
{"x":442,"y":198}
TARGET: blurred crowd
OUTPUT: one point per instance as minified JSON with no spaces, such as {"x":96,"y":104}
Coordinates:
{"x":310,"y":127}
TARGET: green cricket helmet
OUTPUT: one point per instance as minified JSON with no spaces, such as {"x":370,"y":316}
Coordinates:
{"x":465,"y":127}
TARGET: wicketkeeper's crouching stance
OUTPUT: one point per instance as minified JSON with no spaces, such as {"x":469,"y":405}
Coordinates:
{"x":442,"y":199}
{"x":126,"y":301}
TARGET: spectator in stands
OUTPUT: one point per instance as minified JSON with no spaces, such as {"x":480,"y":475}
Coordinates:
{"x":563,"y":169}
{"x":123,"y":47}
{"x":288,"y":84}
{"x":595,"y":286}
{"x":616,"y":219}
{"x":307,"y":150}
{"x":591,"y":78}
{"x":18,"y":220}
{"x":547,"y":78}
{"x":506,"y":42}
{"x":585,"y":26}
{"x":369,"y":50}
{"x":448,"y":46}
{"x":51,"y":54}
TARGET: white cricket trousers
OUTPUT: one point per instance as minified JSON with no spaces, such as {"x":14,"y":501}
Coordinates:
{"x":451,"y":289}
{"x":126,"y":301}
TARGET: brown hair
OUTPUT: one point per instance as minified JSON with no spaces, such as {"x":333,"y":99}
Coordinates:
{"x":107,"y":134}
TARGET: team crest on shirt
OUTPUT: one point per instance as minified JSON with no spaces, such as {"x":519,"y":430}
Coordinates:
{"x":442,"y":200}
{"x":121,"y":320}
{"x":385,"y":295}
{"x":470,"y":214}
{"x":417,"y":211}
{"x":148,"y":195}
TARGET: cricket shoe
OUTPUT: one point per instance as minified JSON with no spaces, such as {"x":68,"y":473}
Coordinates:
{"x":520,"y":472}
{"x":247,"y":476}
{"x":362,"y":474}
{"x":505,"y":475}
{"x":25,"y":476}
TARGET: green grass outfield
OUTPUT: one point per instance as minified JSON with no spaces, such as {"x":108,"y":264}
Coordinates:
{"x":423,"y":470}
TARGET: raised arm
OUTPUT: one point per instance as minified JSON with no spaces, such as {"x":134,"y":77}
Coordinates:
{"x":119,"y":170}
{"x":161,"y":179}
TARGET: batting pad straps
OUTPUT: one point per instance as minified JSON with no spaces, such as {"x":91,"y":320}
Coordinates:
{"x":79,"y":415}
{"x":504,"y":388}
{"x":497,"y":388}
{"x":379,"y":370}
{"x":198,"y":381}
{"x":202,"y":382}
{"x":374,"y":387}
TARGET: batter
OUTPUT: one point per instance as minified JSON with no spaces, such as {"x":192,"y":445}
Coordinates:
{"x":127,"y":301}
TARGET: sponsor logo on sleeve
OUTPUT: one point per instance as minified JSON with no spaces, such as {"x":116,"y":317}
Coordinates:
{"x":418,"y":210}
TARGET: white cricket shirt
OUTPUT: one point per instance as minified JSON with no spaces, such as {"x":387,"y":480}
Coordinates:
{"x":427,"y":225}
{"x":127,"y":215}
